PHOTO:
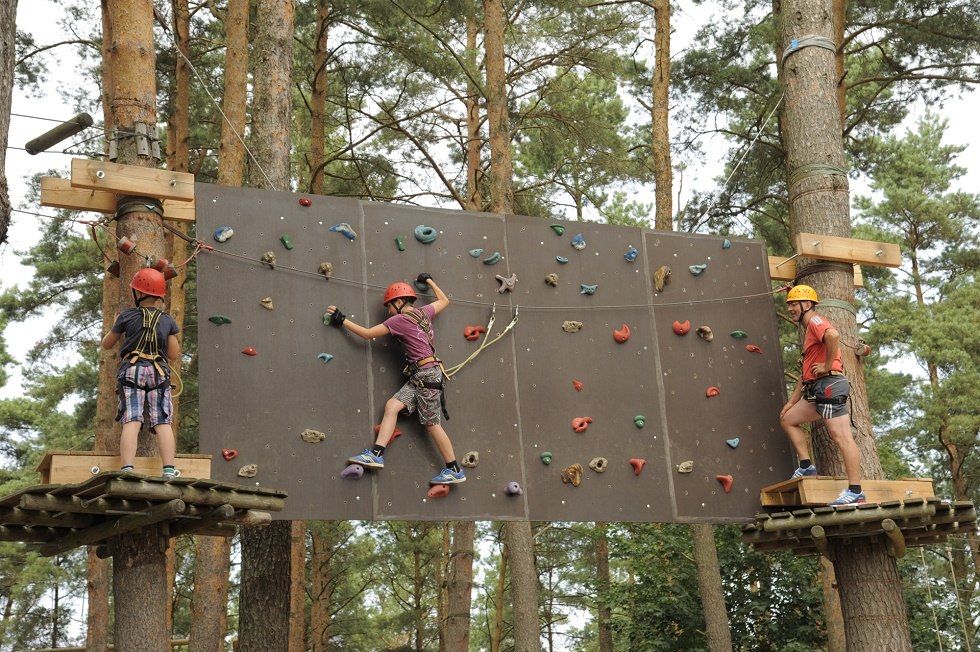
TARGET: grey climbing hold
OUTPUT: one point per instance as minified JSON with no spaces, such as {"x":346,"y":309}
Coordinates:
{"x":425,"y":234}
{"x":686,"y":466}
{"x":476,"y":253}
{"x":587,"y":289}
{"x":324,"y":357}
{"x":733,"y":443}
{"x":470,"y":460}
{"x":248,"y":471}
{"x":571,"y":326}
{"x":507,"y":283}
{"x":492,"y":259}
{"x":727,"y":244}
{"x":698,"y":269}
{"x":311,"y":436}
{"x":599,"y":464}
{"x":561,"y":259}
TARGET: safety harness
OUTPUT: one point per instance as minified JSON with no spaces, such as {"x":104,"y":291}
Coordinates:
{"x":147,"y":350}
{"x":412,"y":368}
{"x":812,"y":397}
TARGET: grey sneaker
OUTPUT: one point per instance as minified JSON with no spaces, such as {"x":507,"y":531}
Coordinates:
{"x":848,"y":497}
{"x":800,"y":473}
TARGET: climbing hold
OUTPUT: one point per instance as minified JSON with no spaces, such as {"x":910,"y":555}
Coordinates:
{"x":126,"y":245}
{"x":324,"y":357}
{"x":352,"y":472}
{"x":266,"y":303}
{"x":546,"y":458}
{"x":637,"y":463}
{"x":581,"y":424}
{"x":682,"y":327}
{"x":587,"y":289}
{"x":344,"y":229}
{"x":400,"y":242}
{"x":286,"y":242}
{"x":269,"y":258}
{"x":578,"y":242}
{"x":219,"y":319}
{"x":752,"y":348}
{"x":631,"y":255}
{"x":571,"y":326}
{"x":325,"y":269}
{"x":726,"y":482}
{"x":472,"y":333}
{"x":697,"y":269}
{"x":726,"y":244}
{"x":733,"y":443}
{"x":561,"y":260}
{"x":223,"y":233}
{"x":712,"y":391}
{"x":492,"y":259}
{"x":470,"y":460}
{"x":513,"y":489}
{"x":739,"y":335}
{"x":305,"y":201}
{"x":577,"y":384}
{"x":248,"y":471}
{"x":622,"y":334}
{"x":425,"y":234}
{"x":551,"y":279}
{"x":572,"y":475}
{"x":311,"y":436}
{"x":476,"y":253}
{"x":559,"y":229}
{"x":229,"y":454}
{"x":249,"y":350}
{"x":661,"y":277}
{"x":599,"y":464}
{"x":394,"y":435}
{"x":506,"y":283}
{"x":639,"y":421}
{"x":686,"y":466}
{"x":438,"y":491}
{"x":704,"y":332}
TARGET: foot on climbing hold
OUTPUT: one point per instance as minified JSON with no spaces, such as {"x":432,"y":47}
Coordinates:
{"x":352,"y":472}
{"x":622,"y":334}
{"x":637,"y":463}
{"x":438,"y":491}
{"x":513,"y":489}
{"x":726,"y":482}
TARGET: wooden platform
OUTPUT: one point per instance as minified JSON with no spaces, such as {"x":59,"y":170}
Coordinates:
{"x":60,"y":517}
{"x":817,"y":491}
{"x":69,"y":467}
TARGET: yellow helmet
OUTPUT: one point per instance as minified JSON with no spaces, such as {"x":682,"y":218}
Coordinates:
{"x":802,"y":293}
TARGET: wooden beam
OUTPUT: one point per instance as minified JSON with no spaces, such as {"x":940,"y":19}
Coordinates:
{"x":59,"y":193}
{"x":96,"y":533}
{"x":896,"y":541}
{"x":70,"y":467}
{"x":822,"y":490}
{"x":123,"y":488}
{"x":848,"y":250}
{"x":202,"y":520}
{"x":132,"y":180}
{"x":784,"y":269}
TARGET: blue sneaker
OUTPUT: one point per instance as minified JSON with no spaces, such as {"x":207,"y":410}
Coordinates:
{"x":800,"y":473}
{"x":848,"y":497}
{"x":369,"y":459}
{"x":448,"y":476}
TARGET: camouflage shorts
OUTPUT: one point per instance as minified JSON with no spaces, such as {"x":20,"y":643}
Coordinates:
{"x":428,"y":402}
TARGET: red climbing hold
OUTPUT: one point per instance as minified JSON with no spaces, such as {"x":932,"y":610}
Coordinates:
{"x":752,"y":348}
{"x":726,"y":482}
{"x":438,"y":491}
{"x":394,"y":435}
{"x":712,"y":391}
{"x":637,"y":463}
{"x":581,"y":424}
{"x":250,"y":350}
{"x":681,"y":327}
{"x":305,"y":201}
{"x":622,"y":334}
{"x":577,"y":384}
{"x":472,"y":333}
{"x":229,"y":454}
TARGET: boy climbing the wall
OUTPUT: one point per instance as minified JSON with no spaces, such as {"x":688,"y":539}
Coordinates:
{"x":143,"y":382}
{"x":423,"y":392}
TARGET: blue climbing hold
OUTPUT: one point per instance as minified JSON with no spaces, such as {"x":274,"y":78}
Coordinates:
{"x":587,"y":289}
{"x":476,"y":253}
{"x":578,"y":242}
{"x":425,"y":234}
{"x":727,"y":244}
{"x":631,"y":255}
{"x":324,"y":357}
{"x":561,"y":259}
{"x":733,"y":443}
{"x":344,"y":229}
{"x":698,"y":269}
{"x":223,"y":233}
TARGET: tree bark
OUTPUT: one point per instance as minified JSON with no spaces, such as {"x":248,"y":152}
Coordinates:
{"x":209,"y":603}
{"x":709,"y":582}
{"x":8,"y":55}
{"x":497,"y":634}
{"x":870,"y":593}
{"x":231,"y":150}
{"x":297,"y":590}
{"x":836,"y":640}
{"x":474,"y":168}
{"x":663,"y":174}
{"x":318,"y":98}
{"x":501,"y":157}
{"x":603,"y":610}
{"x":321,"y":585}
{"x":460,"y":586}
{"x":523,"y":585}
{"x":139,"y":589}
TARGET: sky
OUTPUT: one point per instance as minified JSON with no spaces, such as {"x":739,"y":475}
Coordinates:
{"x":34,"y":116}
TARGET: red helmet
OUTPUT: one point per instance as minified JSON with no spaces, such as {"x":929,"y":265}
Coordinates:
{"x":149,"y":281}
{"x":399,"y":291}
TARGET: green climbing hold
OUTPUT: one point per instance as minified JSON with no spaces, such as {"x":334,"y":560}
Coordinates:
{"x":219,"y":319}
{"x":546,"y":457}
{"x":492,"y":259}
{"x":739,"y":335}
{"x":400,"y":242}
{"x":425,"y":234}
{"x":286,"y":242}
{"x":559,"y":229}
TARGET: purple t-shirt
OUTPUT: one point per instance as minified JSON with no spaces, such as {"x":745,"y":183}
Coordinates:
{"x":413,"y":339}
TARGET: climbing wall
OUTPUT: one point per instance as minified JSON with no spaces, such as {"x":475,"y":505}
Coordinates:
{"x":588,"y":392}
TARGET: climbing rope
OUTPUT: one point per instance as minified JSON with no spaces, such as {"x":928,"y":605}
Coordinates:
{"x":486,"y":343}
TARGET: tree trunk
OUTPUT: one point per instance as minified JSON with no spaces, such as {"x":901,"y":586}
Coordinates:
{"x":139,"y":590}
{"x":474,"y":168}
{"x":231,"y":150}
{"x":870,"y":591}
{"x":460,"y":586}
{"x":497,"y":634}
{"x":663,"y":176}
{"x":266,"y":554}
{"x":318,"y":98}
{"x":523,"y":585}
{"x":501,"y":157}
{"x":97,"y":618}
{"x":603,"y":610}
{"x":442,"y":588}
{"x":297,"y":590}
{"x":8,"y":55}
{"x":836,"y":641}
{"x":209,"y":603}
{"x":321,"y":586}
{"x":709,"y":582}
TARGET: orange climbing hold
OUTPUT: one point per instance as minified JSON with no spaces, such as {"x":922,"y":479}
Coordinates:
{"x":712,"y":391}
{"x":250,"y":350}
{"x":726,"y":482}
{"x":622,"y":334}
{"x":394,"y":435}
{"x":438,"y":491}
{"x":577,"y":384}
{"x":752,"y":348}
{"x":681,"y":327}
{"x":637,"y":463}
{"x":581,"y":424}
{"x":229,"y":453}
{"x":472,"y":333}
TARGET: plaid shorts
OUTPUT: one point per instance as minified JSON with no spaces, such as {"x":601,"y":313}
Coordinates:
{"x":148,"y":394}
{"x":831,"y":387}
{"x":427,"y":401}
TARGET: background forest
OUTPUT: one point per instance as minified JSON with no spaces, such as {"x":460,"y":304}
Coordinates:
{"x":381,"y":94}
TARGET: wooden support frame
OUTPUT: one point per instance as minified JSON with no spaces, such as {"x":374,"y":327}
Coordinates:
{"x":70,"y":467}
{"x":784,"y":269}
{"x":59,"y":193}
{"x":821,"y":490}
{"x":847,"y":250}
{"x":132,"y":180}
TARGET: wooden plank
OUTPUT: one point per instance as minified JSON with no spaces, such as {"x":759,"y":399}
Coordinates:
{"x":848,"y":250}
{"x":784,"y":269}
{"x":64,"y":467}
{"x":823,"y":490}
{"x":132,"y":180}
{"x":59,"y":193}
